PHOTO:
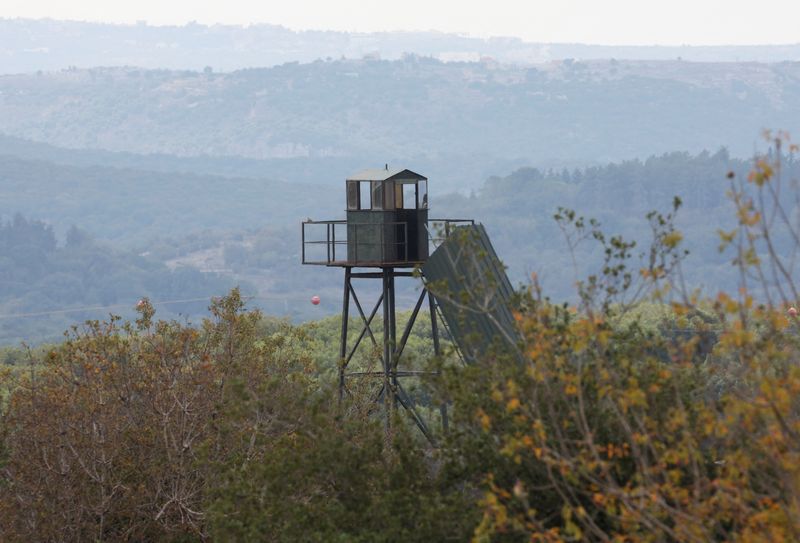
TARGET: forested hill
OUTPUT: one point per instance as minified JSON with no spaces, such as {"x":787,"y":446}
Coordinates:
{"x":248,"y":227}
{"x":46,"y":286}
{"x":518,"y":211}
{"x":131,"y":207}
{"x":296,"y":171}
{"x":463,"y":120}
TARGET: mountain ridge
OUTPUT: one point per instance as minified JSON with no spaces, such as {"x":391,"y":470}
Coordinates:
{"x":45,"y":44}
{"x":459,"y":121}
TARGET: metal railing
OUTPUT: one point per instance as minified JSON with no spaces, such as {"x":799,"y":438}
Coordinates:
{"x":333,"y":240}
{"x":336,"y":236}
{"x":330,"y":240}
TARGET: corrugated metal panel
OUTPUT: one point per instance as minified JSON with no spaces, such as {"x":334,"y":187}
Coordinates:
{"x":474,"y":293}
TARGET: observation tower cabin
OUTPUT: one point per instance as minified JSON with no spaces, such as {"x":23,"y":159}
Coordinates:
{"x":386,"y":225}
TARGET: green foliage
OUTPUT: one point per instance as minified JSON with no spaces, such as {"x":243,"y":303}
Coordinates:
{"x":614,"y":429}
{"x":161,"y":431}
{"x":335,"y":480}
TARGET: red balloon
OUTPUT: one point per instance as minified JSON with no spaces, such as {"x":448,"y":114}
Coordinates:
{"x":315,"y":300}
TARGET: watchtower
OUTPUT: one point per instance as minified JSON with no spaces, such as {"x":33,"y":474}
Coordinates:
{"x":386,"y":234}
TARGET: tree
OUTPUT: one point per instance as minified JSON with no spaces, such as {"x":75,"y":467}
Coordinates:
{"x":609,"y":431}
{"x":160,"y":431}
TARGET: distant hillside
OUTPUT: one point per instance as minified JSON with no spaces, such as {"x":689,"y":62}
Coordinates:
{"x":295,"y":171}
{"x":28,"y":45}
{"x":460,"y":121}
{"x":248,"y":228}
{"x":46,"y":286}
{"x":518,"y":210}
{"x":450,"y":174}
{"x":131,"y":207}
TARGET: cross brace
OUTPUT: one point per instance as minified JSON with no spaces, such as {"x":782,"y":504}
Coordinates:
{"x":391,"y":350}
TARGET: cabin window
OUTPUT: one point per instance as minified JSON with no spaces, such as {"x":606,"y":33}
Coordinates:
{"x":410,"y":195}
{"x":422,"y":194}
{"x":353,"y":195}
{"x":387,"y":195}
{"x":377,"y":195}
{"x":363,"y":195}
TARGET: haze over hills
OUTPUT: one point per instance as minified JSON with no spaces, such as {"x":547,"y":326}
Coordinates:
{"x":28,"y":45}
{"x":169,"y":170}
{"x":246,"y":228}
{"x":460,"y":122}
{"x":130,"y":207}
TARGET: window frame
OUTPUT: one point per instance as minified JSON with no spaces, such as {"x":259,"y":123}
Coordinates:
{"x":422,"y":194}
{"x":376,"y":196}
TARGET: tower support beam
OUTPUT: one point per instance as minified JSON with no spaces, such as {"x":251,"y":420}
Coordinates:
{"x":343,"y":337}
{"x":388,"y":399}
{"x":392,"y":394}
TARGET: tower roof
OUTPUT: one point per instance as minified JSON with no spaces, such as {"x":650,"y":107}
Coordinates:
{"x":384,"y":174}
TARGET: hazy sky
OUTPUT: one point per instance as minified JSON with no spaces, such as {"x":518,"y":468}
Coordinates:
{"x":668,"y":22}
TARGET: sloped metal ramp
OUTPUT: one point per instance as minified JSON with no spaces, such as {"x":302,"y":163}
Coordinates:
{"x":473,"y":293}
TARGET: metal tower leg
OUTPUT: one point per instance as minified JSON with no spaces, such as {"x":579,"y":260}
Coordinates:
{"x":437,"y":352}
{"x":388,"y":350}
{"x":343,"y":338}
{"x":393,"y":338}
